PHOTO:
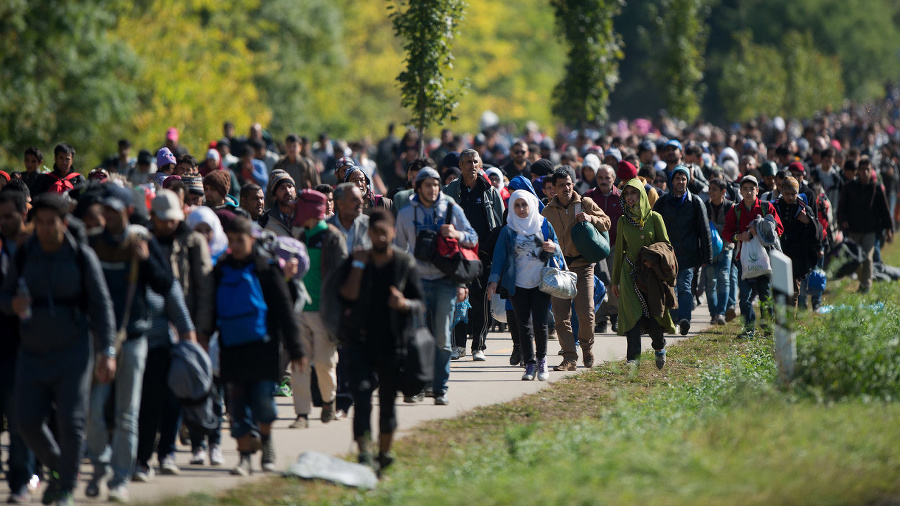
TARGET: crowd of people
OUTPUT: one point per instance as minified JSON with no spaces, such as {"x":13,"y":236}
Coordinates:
{"x":302,"y":269}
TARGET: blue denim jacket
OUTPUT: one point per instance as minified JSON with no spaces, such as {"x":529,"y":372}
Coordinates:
{"x":503,"y":269}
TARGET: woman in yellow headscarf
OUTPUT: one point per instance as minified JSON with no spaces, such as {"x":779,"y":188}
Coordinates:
{"x":639,"y":226}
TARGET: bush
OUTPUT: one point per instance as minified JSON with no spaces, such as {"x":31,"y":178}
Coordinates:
{"x":852,"y":351}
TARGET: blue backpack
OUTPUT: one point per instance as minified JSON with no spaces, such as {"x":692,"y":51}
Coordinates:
{"x":240,"y":307}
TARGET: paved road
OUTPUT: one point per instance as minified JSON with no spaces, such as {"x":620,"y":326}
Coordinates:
{"x":472,"y":384}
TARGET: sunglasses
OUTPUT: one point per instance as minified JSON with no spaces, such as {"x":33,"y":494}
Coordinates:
{"x":519,"y":152}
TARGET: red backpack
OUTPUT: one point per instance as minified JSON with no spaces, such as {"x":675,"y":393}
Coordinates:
{"x":62,"y":184}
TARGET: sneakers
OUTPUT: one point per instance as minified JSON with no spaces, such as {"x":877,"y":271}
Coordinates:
{"x":167,"y":466}
{"x":215,"y":455}
{"x":198,"y":457}
{"x":720,"y":320}
{"x":684,"y":327}
{"x":268,"y":456}
{"x":328,"y":414}
{"x":302,"y":422}
{"x":284,"y":389}
{"x":588,"y":358}
{"x":118,"y":494}
{"x":660,"y":358}
{"x":529,"y":372}
{"x":614,"y":321}
{"x":633,"y":363}
{"x":551,"y":334}
{"x":730,"y":314}
{"x":412,"y":399}
{"x":454,"y":355}
{"x":93,"y":487}
{"x":747,"y":334}
{"x":566,"y":365}
{"x":384,"y":461}
{"x":478,"y":356}
{"x":515,"y":359}
{"x":142,"y":473}
{"x":543,"y":373}
{"x":441,"y":399}
{"x":243,"y":468}
{"x":65,"y":499}
{"x":20,"y":497}
{"x":602,"y":326}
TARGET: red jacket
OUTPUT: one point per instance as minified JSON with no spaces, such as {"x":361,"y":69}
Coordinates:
{"x":738,"y":219}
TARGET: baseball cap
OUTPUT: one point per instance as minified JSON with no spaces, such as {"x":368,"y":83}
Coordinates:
{"x":675,"y":143}
{"x":167,"y":206}
{"x":749,"y":179}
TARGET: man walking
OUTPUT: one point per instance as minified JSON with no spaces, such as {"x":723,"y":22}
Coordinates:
{"x":688,"y":228}
{"x":608,"y":198}
{"x":59,"y":317}
{"x":483,"y":207}
{"x":564,"y":211}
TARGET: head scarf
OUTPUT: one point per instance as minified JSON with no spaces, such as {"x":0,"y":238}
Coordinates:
{"x":522,"y":183}
{"x":637,"y":214}
{"x":202,"y":214}
{"x":530,"y":225}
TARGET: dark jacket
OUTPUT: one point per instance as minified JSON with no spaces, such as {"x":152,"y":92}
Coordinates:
{"x":43,"y":182}
{"x":260,"y":361}
{"x":69,"y":297}
{"x":115,"y":255}
{"x":191,"y":264}
{"x":357,"y":314}
{"x":864,"y":207}
{"x":688,"y":228}
{"x":657,"y":282}
{"x":489,"y":205}
{"x":799,"y":241}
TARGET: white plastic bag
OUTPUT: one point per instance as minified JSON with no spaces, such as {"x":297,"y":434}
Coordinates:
{"x":498,"y":308}
{"x":558,"y":282}
{"x":754,"y":259}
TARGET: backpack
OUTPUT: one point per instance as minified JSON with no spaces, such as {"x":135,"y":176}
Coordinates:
{"x":62,"y":184}
{"x":240,"y":306}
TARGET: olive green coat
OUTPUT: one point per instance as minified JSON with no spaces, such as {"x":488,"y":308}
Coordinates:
{"x":629,"y":241}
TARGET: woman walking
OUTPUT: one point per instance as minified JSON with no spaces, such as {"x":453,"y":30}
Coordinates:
{"x":639,"y":226}
{"x":525,"y":244}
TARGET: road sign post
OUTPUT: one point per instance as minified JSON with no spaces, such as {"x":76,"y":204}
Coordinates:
{"x":785,"y":340}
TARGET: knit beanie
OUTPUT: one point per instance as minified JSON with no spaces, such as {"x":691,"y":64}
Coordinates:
{"x":542,"y":167}
{"x":627,"y":171}
{"x":218,"y":180}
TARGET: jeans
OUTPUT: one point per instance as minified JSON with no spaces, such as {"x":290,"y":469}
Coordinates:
{"x":20,"y":462}
{"x":251,"y":404}
{"x":121,"y":454}
{"x":633,"y":337}
{"x":718,"y":279}
{"x":369,"y":371}
{"x":685,"y":297}
{"x":732,"y":285}
{"x":531,"y":319}
{"x":58,"y":378}
{"x":440,"y":301}
{"x":759,"y":287}
{"x":160,"y":411}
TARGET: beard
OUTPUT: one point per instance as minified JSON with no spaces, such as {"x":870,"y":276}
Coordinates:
{"x":380,"y":248}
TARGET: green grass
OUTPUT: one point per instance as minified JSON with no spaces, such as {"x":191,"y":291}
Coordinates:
{"x":711,"y":428}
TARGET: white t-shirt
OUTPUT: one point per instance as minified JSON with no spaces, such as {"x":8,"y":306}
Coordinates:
{"x":527,"y":252}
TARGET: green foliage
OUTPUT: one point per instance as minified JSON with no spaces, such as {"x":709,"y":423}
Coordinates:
{"x":796,"y":81}
{"x":427,"y":29}
{"x":62,"y":77}
{"x":592,"y":66}
{"x":677,"y":41}
{"x":852,"y":352}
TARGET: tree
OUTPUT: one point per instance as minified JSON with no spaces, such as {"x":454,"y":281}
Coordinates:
{"x":62,"y":78}
{"x":592,"y":67}
{"x":755,"y":82}
{"x":677,"y":38}
{"x":427,"y":29}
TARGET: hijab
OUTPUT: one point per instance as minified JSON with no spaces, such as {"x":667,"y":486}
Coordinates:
{"x":522,"y":183}
{"x":203,"y":214}
{"x":530,"y":225}
{"x":637,"y":214}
